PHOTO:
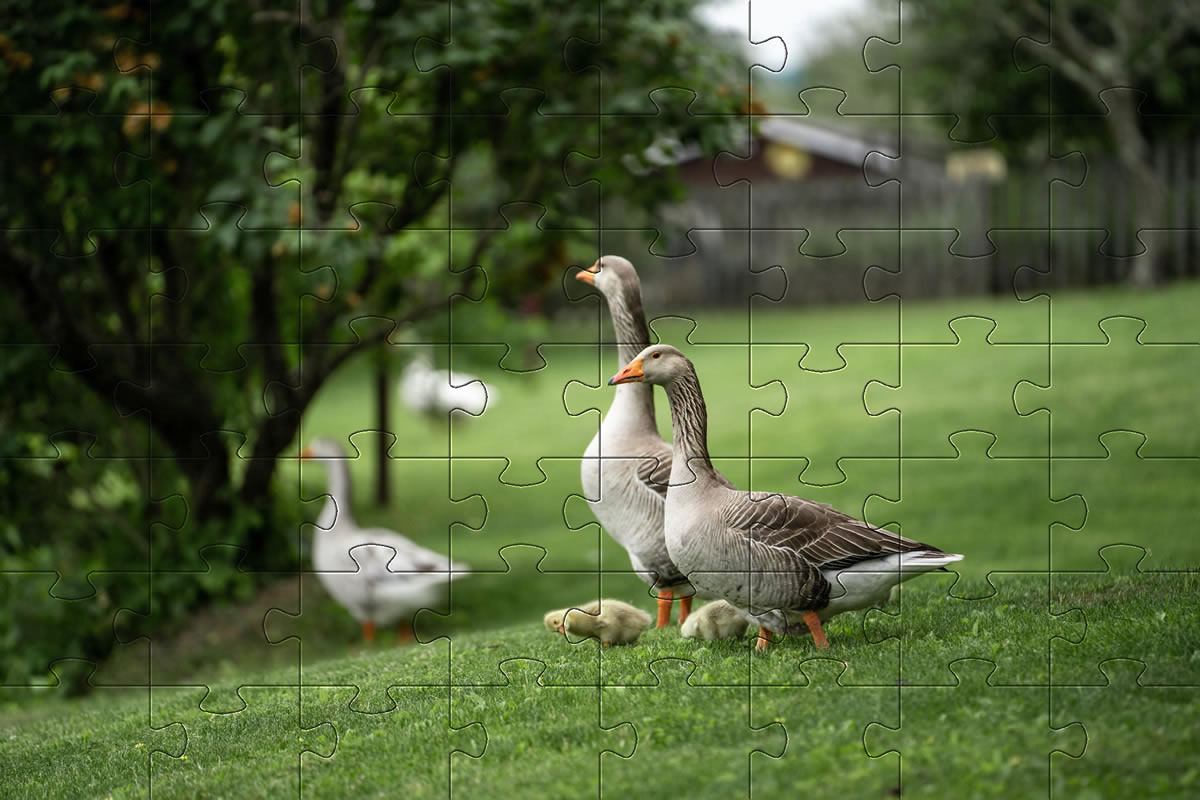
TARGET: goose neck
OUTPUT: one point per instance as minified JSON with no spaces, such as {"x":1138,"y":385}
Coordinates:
{"x":689,"y":424}
{"x":337,"y":507}
{"x":633,"y":336}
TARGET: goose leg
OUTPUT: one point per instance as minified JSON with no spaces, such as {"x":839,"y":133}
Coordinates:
{"x":664,"y":608}
{"x":368,"y":631}
{"x":764,"y":639}
{"x":814,"y":625}
{"x":685,"y":608}
{"x":404,"y":633}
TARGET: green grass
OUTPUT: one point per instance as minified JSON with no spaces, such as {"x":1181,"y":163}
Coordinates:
{"x":1055,"y":589}
{"x":533,"y":715}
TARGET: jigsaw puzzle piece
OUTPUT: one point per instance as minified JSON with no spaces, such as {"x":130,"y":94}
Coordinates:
{"x":345,"y":278}
{"x":1008,"y":622}
{"x":179,"y":655}
{"x":1154,"y":176}
{"x":723,"y":360}
{"x":666,"y":715}
{"x":59,"y":220}
{"x":410,"y":481}
{"x":530,"y":408}
{"x":100,"y":424}
{"x":869,"y":201}
{"x":544,"y":196}
{"x":1146,"y":370}
{"x":1013,"y":503}
{"x":552,"y":733}
{"x":792,"y":311}
{"x":530,"y":514}
{"x":1131,"y":499}
{"x":689,"y":58}
{"x":107,"y":747}
{"x":480,"y":32}
{"x":409,"y":742}
{"x":1110,"y":711}
{"x":820,"y":745}
{"x":858,"y":479}
{"x":973,"y":286}
{"x":503,"y":594}
{"x":330,"y":649}
{"x":1081,"y":258}
{"x":954,"y":739}
{"x":924,"y":67}
{"x":189,"y":516}
{"x":658,"y":148}
{"x":1104,"y":597}
{"x":934,"y":378}
{"x":60,"y":616}
{"x":110,"y":54}
{"x":820,"y":401}
{"x":268,"y":723}
{"x":512,"y":275}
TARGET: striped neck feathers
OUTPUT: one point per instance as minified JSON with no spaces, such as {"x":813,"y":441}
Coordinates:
{"x":689,"y":423}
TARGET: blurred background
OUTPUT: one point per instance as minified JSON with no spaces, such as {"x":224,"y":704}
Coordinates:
{"x":231,"y":228}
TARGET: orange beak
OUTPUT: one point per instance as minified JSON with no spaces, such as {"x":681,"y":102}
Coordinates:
{"x":562,"y":629}
{"x":630,"y":373}
{"x":306,"y":453}
{"x":588,"y":275}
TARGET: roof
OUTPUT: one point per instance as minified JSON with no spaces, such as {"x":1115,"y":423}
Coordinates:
{"x":821,"y":141}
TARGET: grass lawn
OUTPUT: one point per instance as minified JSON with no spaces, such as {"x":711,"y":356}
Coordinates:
{"x":1064,"y":655}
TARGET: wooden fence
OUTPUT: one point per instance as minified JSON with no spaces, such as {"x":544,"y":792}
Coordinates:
{"x":927,"y":235}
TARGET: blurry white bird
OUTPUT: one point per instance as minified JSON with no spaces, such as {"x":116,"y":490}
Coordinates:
{"x":715,"y":620}
{"x":435,"y":392}
{"x":610,"y":621}
{"x":379,"y":576}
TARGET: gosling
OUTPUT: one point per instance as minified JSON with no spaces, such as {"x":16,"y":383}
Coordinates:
{"x":610,"y":621}
{"x":716,"y":620}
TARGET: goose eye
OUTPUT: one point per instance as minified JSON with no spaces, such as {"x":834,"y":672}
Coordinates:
{"x":657,"y":355}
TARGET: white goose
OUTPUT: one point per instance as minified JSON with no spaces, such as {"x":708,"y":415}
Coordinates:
{"x":436,"y":392}
{"x":781,"y":560}
{"x":379,"y":576}
{"x":627,"y":464}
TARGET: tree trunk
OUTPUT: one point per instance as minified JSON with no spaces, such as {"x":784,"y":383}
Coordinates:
{"x":1147,"y":194}
{"x":383,"y":396}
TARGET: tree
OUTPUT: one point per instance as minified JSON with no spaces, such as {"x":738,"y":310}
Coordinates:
{"x":211,"y":210}
{"x":1090,"y":47}
{"x":377,"y":107}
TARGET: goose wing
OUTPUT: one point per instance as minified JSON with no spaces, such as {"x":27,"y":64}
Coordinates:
{"x":790,"y":541}
{"x":409,"y":556}
{"x":815,"y":533}
{"x":654,"y":472}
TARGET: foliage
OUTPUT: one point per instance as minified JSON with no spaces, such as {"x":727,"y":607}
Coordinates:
{"x":199,"y":202}
{"x":981,"y":61}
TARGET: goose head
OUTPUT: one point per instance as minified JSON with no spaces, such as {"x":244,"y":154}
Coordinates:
{"x":659,"y":364}
{"x":322,"y":449}
{"x":556,"y":621}
{"x":613,"y":277}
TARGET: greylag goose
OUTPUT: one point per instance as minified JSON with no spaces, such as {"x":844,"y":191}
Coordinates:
{"x":627,"y":464}
{"x":781,"y":560}
{"x":610,"y":621}
{"x":377,"y":575}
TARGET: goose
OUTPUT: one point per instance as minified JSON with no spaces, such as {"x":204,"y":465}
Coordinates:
{"x":434,"y":392}
{"x":377,"y":575}
{"x":782,"y":561}
{"x":715,"y":620}
{"x":627,"y":464}
{"x":610,"y":621}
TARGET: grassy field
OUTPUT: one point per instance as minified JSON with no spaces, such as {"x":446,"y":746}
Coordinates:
{"x":1073,"y":610}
